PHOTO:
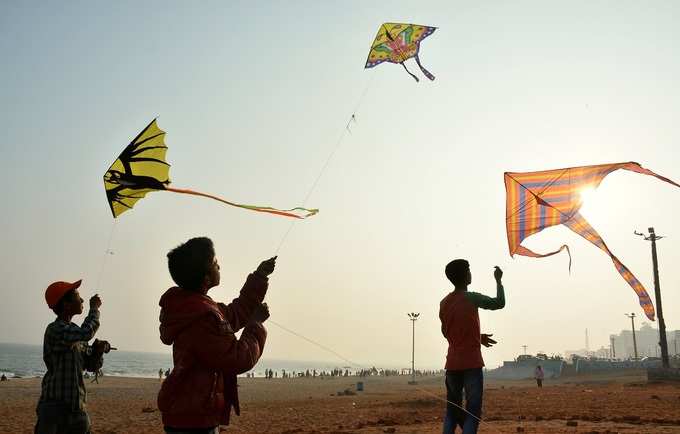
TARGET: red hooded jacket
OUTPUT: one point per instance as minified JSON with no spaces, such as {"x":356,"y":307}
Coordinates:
{"x":207,"y":356}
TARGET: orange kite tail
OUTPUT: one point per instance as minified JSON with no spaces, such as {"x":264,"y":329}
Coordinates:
{"x":298,"y":212}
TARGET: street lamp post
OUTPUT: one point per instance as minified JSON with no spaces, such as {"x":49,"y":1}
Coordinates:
{"x":413,"y":317}
{"x":613,"y":348}
{"x":663,"y":343}
{"x":632,"y":322}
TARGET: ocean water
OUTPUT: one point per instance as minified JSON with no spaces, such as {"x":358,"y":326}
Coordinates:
{"x":17,"y":360}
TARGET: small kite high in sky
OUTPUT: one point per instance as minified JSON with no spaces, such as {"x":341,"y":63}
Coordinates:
{"x":397,"y":42}
{"x":537,"y":200}
{"x":141,"y":168}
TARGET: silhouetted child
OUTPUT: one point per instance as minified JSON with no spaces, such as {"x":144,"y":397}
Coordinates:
{"x":459,"y":316}
{"x":61,"y":408}
{"x":200,"y":391}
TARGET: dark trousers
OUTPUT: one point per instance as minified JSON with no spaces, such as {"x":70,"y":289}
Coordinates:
{"x":59,"y":418}
{"x":170,"y":430}
{"x":472,"y":381}
{"x":539,"y":382}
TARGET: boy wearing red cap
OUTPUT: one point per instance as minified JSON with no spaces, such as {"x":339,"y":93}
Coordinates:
{"x":200,"y":392}
{"x":61,"y":408}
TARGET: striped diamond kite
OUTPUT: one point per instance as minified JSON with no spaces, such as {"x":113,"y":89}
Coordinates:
{"x":538,"y":200}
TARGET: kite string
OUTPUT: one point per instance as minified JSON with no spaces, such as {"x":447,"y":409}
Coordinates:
{"x":330,"y":350}
{"x":107,"y":252}
{"x":334,"y":150}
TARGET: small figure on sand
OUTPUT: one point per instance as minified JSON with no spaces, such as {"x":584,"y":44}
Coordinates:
{"x":539,"y":375}
{"x":160,"y":374}
{"x":61,"y":408}
{"x":459,"y":316}
{"x":201,"y":389}
{"x":3,"y":378}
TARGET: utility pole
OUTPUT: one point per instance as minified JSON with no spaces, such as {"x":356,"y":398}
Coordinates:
{"x":525,"y":349}
{"x":613,"y":348}
{"x":632,"y":322}
{"x":413,"y":317}
{"x":657,"y":293}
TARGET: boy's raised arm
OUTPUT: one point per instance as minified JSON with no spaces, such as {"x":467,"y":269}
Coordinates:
{"x":239,"y":311}
{"x":226,"y":353}
{"x":71,"y":333}
{"x":486,"y":302}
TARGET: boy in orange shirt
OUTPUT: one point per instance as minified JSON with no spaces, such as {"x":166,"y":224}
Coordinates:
{"x":459,"y":315}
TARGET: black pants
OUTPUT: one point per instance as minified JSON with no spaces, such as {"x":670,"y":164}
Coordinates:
{"x":472,"y":381}
{"x":170,"y":430}
{"x":59,"y":418}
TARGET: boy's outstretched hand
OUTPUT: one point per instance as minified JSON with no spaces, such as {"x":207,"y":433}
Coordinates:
{"x":266,"y":267}
{"x":95,"y":302}
{"x":486,"y":339}
{"x":260,"y":314}
{"x":497,"y":273}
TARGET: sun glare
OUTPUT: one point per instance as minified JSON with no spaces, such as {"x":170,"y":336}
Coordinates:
{"x":589,"y":205}
{"x":587,"y":194}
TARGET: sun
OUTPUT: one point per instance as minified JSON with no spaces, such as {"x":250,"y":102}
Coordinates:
{"x":589,"y":202}
{"x":587,"y":194}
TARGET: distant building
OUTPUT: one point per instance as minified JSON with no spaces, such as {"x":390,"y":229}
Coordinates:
{"x":647,"y":339}
{"x":602,"y":353}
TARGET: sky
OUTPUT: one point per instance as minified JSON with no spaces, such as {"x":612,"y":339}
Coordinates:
{"x":255,"y":96}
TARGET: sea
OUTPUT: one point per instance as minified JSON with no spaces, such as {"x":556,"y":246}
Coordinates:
{"x":19,"y":360}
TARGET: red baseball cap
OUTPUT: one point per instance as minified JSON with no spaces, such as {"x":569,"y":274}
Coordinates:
{"x":57,"y":290}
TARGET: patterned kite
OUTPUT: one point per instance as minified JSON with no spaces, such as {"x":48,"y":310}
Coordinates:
{"x":141,"y":168}
{"x":397,"y":42}
{"x":537,"y":200}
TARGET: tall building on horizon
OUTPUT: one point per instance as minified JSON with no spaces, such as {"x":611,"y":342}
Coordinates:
{"x":647,"y":339}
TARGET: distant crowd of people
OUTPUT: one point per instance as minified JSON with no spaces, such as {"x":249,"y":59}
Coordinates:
{"x":270,"y":373}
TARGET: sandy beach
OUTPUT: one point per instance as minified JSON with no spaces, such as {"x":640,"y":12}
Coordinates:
{"x":595,"y":404}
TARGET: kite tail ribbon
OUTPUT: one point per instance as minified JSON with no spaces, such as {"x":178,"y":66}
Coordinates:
{"x":521,"y":250}
{"x":425,"y":71}
{"x":298,"y":212}
{"x":409,"y":72}
{"x":579,"y":225}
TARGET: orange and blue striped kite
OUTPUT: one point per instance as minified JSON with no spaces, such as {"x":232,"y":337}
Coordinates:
{"x":538,"y":200}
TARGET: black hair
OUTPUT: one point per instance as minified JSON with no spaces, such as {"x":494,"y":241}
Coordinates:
{"x":190,"y":262}
{"x":457,"y":271}
{"x":66,"y":298}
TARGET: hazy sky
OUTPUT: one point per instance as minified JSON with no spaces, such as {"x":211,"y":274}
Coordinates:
{"x":254,"y":96}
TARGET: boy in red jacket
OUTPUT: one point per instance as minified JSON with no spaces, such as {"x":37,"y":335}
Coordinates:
{"x":198,"y":395}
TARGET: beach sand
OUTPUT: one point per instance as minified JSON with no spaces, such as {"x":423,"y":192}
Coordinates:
{"x":623,"y":404}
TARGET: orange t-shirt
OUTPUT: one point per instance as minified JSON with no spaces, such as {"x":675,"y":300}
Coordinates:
{"x":460,"y":325}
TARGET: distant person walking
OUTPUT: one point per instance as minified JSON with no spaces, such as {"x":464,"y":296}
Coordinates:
{"x":459,"y":316}
{"x":539,"y":375}
{"x":160,"y":374}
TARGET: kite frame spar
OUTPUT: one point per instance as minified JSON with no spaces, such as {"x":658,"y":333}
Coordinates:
{"x":538,"y":200}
